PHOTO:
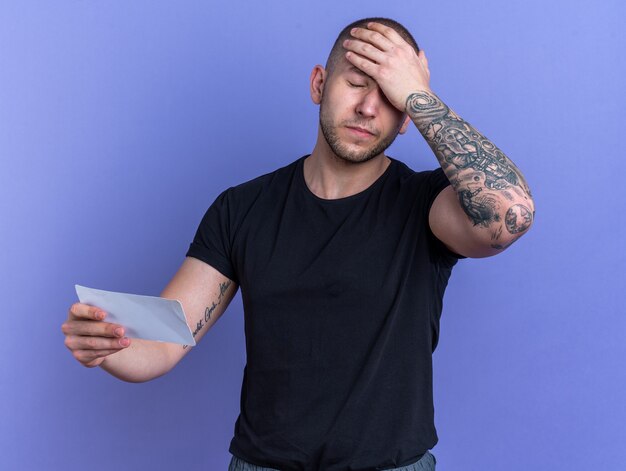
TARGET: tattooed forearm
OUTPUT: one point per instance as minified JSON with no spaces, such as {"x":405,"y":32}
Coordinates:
{"x":481,"y":209}
{"x":209,"y":309}
{"x":490,"y":188}
{"x":428,"y":106}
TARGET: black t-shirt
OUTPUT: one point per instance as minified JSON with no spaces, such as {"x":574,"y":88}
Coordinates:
{"x":342,"y":300}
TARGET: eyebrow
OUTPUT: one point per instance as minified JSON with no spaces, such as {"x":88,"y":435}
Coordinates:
{"x":354,"y":68}
{"x":360,"y":72}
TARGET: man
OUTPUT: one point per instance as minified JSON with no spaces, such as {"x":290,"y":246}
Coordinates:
{"x":342,"y":257}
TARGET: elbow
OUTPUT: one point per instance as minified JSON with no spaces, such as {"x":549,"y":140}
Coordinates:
{"x":518,"y":220}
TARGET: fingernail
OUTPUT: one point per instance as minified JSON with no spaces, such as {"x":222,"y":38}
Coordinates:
{"x":124,"y":342}
{"x":119,"y":331}
{"x":100,"y":315}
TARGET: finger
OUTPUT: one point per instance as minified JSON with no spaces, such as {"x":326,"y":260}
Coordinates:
{"x":85,"y":311}
{"x":94,"y":363}
{"x":360,"y":62}
{"x":421,"y":56}
{"x":373,"y":37}
{"x":391,"y":34}
{"x":424,"y":67}
{"x":364,"y":49}
{"x":82,"y":342}
{"x":92,"y":328}
{"x":85,"y":356}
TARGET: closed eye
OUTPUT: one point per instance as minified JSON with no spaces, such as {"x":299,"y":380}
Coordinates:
{"x":356,"y":85}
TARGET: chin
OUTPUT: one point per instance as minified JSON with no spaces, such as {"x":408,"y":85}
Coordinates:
{"x":351,"y":153}
{"x":356,"y":157}
{"x":354,"y":154}
{"x":347,"y":151}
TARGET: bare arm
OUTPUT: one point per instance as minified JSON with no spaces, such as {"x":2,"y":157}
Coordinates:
{"x":204,"y":294}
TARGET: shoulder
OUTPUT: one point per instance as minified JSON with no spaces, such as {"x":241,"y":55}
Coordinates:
{"x":256,"y":186}
{"x":403,"y":171}
{"x":424,"y":184}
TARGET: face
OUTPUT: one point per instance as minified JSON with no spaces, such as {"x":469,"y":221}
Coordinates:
{"x":356,"y":119}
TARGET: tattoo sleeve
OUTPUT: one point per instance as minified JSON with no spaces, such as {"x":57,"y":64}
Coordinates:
{"x":491,"y":190}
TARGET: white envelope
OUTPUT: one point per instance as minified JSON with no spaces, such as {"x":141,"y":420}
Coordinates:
{"x":143,"y":317}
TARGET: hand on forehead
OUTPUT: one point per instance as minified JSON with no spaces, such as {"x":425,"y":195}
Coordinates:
{"x":382,"y":53}
{"x":383,"y":37}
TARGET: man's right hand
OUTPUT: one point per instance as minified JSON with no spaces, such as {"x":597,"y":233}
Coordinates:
{"x":89,"y":338}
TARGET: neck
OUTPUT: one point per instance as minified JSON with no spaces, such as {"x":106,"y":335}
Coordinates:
{"x":331,"y":177}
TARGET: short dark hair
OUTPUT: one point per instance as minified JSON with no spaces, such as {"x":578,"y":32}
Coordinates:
{"x":337,"y":50}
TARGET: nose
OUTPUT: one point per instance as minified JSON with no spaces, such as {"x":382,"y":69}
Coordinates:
{"x":369,"y":103}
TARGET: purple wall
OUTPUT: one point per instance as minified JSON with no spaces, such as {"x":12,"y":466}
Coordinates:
{"x":121,"y":121}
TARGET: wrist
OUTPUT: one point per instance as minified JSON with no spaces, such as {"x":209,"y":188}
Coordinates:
{"x":425,"y":108}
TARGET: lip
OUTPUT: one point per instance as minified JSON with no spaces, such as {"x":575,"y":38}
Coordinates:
{"x":360,"y":131}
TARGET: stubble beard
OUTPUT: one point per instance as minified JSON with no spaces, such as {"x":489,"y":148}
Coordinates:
{"x":341,"y":150}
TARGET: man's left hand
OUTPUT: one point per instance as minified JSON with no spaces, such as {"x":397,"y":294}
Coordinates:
{"x":384,"y":55}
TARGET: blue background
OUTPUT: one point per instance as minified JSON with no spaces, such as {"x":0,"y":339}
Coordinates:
{"x":121,"y":121}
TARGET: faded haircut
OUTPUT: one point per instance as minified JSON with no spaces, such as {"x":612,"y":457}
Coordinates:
{"x":338,"y":50}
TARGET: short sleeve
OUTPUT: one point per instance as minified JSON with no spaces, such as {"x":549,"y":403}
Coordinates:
{"x":436,"y":182}
{"x":212,"y":242}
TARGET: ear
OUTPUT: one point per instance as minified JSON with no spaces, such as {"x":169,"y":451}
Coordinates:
{"x":318,"y":79}
{"x":405,"y":125}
